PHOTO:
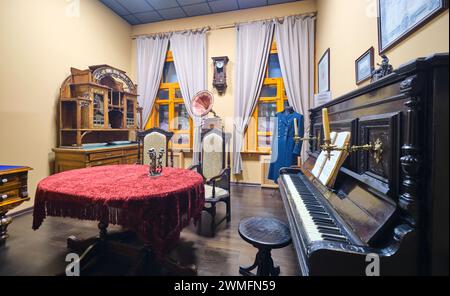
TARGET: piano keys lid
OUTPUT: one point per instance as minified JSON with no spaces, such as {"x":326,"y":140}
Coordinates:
{"x":362,"y":208}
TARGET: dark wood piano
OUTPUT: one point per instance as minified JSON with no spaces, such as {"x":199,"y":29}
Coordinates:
{"x":397,"y":208}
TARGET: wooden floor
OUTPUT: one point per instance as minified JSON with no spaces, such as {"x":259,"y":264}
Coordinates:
{"x":43,"y":252}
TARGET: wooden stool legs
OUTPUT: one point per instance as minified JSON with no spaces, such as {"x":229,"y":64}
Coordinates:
{"x":264,"y":263}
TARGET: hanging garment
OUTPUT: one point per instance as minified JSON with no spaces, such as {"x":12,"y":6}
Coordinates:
{"x":284,"y":149}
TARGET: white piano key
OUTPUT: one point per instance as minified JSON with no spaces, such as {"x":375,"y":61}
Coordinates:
{"x":306,"y":216}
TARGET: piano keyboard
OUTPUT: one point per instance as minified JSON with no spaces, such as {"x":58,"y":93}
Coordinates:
{"x":316,"y":220}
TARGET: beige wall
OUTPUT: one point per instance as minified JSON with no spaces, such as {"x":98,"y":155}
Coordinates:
{"x":39,"y":42}
{"x":349,"y":28}
{"x":223,"y":43}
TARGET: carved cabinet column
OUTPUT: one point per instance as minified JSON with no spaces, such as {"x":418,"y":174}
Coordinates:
{"x":411,"y":158}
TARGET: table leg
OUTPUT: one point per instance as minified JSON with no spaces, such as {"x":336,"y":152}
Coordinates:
{"x":4,"y":222}
{"x":95,"y":247}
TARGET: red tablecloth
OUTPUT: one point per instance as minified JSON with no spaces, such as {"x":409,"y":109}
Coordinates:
{"x":155,"y":208}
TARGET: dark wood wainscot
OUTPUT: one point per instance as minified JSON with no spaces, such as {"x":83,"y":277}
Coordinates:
{"x":13,"y":192}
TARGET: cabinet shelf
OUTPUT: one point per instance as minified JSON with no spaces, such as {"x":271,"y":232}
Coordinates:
{"x":97,"y":105}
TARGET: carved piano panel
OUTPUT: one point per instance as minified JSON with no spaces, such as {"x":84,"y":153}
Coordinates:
{"x":385,"y":128}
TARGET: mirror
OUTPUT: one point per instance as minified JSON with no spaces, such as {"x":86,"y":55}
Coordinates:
{"x":202,"y":103}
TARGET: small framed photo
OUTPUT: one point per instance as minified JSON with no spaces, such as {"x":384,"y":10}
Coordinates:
{"x":397,"y":19}
{"x":364,"y":65}
{"x":323,"y":72}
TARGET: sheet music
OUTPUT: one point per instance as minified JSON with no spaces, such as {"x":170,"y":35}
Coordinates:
{"x":320,"y":162}
{"x":332,"y":165}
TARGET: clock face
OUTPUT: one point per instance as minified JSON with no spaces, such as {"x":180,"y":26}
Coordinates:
{"x":219,"y":64}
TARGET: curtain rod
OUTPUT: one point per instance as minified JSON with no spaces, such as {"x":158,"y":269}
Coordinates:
{"x":227,"y":26}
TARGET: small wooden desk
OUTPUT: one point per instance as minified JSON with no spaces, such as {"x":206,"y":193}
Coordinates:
{"x":13,"y":192}
{"x":77,"y":158}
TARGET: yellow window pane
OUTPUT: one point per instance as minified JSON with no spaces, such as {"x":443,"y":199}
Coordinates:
{"x":266,"y":116}
{"x":163,"y":94}
{"x":181,"y":139}
{"x":264,"y":141}
{"x":181,"y":120}
{"x":169,"y":73}
{"x":163,"y":117}
{"x":274,"y":66}
{"x":178,"y":94}
{"x":269,"y":91}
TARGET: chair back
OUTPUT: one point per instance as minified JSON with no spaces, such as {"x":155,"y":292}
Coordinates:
{"x":213,"y":154}
{"x":154,"y":138}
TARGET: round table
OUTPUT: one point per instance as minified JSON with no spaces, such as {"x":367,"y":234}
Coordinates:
{"x":155,"y":208}
{"x":265,"y":234}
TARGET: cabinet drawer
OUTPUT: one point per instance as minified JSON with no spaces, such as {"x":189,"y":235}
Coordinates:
{"x":130,"y":152}
{"x":9,"y":181}
{"x":106,"y":162}
{"x":130,"y":160}
{"x":7,"y":195}
{"x":104,"y":155}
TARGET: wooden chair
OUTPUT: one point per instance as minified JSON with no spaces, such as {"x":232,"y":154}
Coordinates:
{"x":154,"y":138}
{"x":215,"y":168}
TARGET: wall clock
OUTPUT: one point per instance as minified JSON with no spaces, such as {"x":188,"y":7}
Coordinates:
{"x":220,"y":74}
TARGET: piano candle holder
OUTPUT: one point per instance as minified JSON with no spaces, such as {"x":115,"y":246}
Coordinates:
{"x":374,"y":148}
{"x":309,"y":138}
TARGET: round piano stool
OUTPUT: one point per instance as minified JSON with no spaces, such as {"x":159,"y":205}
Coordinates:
{"x":265,"y":234}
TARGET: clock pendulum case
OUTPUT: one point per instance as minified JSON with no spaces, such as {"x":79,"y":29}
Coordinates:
{"x":220,"y":74}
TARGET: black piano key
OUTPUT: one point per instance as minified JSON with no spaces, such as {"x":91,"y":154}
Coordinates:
{"x":330,"y":231}
{"x":331,"y":239}
{"x":316,"y":208}
{"x":323,"y":222}
{"x":334,"y":236}
{"x":319,"y":215}
{"x":328,"y":227}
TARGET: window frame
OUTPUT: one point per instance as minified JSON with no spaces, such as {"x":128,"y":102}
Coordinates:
{"x":171,"y":102}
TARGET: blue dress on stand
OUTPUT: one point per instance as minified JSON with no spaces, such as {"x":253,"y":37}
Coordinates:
{"x":284,"y":149}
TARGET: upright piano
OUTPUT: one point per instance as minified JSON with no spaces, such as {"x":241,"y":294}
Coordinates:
{"x":393,"y":211}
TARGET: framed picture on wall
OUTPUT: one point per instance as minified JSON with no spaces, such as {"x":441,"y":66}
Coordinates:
{"x":397,"y":19}
{"x":323,"y":72}
{"x":364,"y":66}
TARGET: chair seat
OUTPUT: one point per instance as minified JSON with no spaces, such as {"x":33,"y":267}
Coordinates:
{"x":219,"y":193}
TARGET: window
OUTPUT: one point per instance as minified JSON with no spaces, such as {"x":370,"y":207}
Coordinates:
{"x":272,"y":99}
{"x":169,"y":112}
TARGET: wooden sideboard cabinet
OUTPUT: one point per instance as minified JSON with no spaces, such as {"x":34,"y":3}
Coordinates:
{"x":97,"y":105}
{"x":69,"y":159}
{"x":13,"y":192}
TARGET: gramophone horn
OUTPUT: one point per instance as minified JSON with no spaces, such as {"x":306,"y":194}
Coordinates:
{"x":202,"y":103}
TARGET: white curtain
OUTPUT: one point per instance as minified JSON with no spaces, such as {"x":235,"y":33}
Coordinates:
{"x":189,"y":55}
{"x":295,"y":44}
{"x":253,"y":46}
{"x":151,"y":55}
